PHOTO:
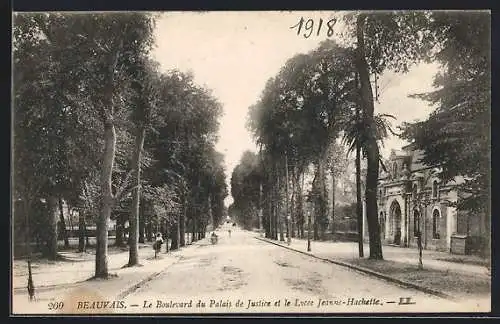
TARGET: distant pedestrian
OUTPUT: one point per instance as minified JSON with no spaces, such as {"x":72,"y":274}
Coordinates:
{"x":213,"y":238}
{"x":158,"y":243}
{"x":229,"y":231}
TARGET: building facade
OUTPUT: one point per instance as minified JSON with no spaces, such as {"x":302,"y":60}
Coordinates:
{"x":411,"y":198}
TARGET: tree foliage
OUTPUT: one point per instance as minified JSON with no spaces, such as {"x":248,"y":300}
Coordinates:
{"x":245,"y":189}
{"x":456,"y":136}
{"x":85,"y":90}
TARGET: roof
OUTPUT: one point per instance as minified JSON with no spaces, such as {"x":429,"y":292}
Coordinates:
{"x":416,"y":160}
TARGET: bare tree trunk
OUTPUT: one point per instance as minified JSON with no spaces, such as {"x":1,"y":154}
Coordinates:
{"x":166,"y":234}
{"x":149,"y":228}
{"x":142,"y":226}
{"x":301,"y":202}
{"x":51,"y":251}
{"x":275,"y":211}
{"x":279,"y":214}
{"x":87,"y":243}
{"x":322,"y":198}
{"x":119,"y":230}
{"x":269,"y":209}
{"x":81,"y":231}
{"x":486,"y":248}
{"x":133,"y":257}
{"x":101,"y":259}
{"x":83,"y":240}
{"x":175,"y":234}
{"x":372,"y":145}
{"x":201,"y":231}
{"x":359,"y":203}
{"x":287,"y":207}
{"x":293,"y":210}
{"x":274,"y":202}
{"x":63,"y":224}
{"x":182,"y":225}
{"x":71,"y":214}
{"x":210,"y":212}
{"x":193,"y":232}
{"x":334,"y":185}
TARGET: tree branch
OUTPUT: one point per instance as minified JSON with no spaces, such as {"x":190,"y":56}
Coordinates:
{"x":117,"y":197}
{"x":43,"y":28}
{"x":120,"y":192}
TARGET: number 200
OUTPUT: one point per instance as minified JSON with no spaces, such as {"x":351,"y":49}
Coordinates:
{"x":56,"y":305}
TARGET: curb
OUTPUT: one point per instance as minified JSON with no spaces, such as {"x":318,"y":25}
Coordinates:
{"x":136,"y":286}
{"x":370,"y":272}
{"x":133,"y":288}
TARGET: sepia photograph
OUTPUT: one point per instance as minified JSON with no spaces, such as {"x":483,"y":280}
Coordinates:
{"x":250,"y":162}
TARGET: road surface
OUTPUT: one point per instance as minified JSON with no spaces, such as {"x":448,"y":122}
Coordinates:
{"x":241,"y":274}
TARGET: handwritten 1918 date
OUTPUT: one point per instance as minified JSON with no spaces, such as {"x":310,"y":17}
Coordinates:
{"x":308,"y":26}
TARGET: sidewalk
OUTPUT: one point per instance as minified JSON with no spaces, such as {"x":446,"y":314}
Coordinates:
{"x":75,"y":268}
{"x":400,"y":265}
{"x":431,"y":259}
{"x":69,"y":281}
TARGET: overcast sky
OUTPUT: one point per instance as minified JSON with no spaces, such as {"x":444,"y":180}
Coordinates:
{"x":235,"y":53}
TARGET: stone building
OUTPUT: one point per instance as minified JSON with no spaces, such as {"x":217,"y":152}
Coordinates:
{"x":412,"y":198}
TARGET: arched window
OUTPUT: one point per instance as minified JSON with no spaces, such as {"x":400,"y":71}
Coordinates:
{"x":416,"y":222}
{"x":435,"y":224}
{"x":395,"y":169}
{"x":435,"y":189}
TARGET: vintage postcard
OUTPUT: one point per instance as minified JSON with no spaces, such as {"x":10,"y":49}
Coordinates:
{"x":258,"y":162}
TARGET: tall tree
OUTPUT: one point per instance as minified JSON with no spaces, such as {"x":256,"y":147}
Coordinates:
{"x":298,"y":112}
{"x":145,"y":84}
{"x":383,"y":40}
{"x":125,"y":34}
{"x":183,"y":147}
{"x":456,"y":136}
{"x":54,"y":139}
{"x":337,"y":163}
{"x":96,"y":49}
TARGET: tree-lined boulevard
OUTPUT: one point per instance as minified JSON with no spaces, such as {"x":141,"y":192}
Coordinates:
{"x":102,"y":135}
{"x":220,"y":276}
